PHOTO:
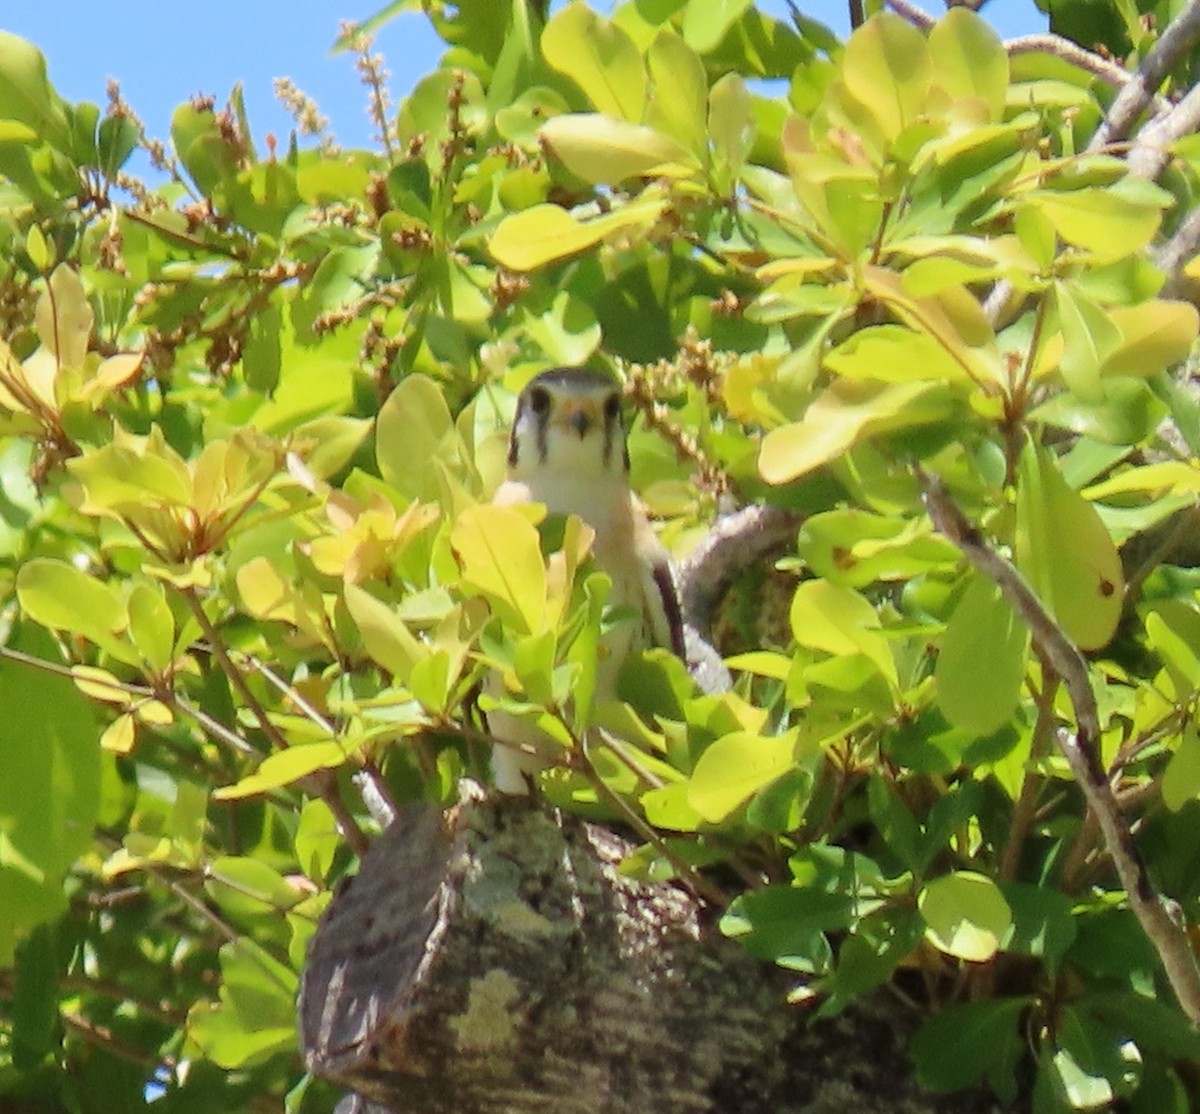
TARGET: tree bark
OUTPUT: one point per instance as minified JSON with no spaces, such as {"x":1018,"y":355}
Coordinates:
{"x":496,"y":960}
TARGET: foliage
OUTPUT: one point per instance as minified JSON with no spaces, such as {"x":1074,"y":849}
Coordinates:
{"x":250,"y":420}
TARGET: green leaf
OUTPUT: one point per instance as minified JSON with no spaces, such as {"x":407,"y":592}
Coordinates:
{"x":35,"y":998}
{"x":735,"y":767}
{"x":1099,"y":220}
{"x":839,"y":621}
{"x":981,"y":661}
{"x":255,"y":1017}
{"x":846,"y":413}
{"x":385,"y":636}
{"x":1043,"y":922}
{"x":970,"y":59}
{"x":600,"y":58}
{"x":501,"y":558}
{"x":787,"y":924}
{"x":248,"y":889}
{"x":50,"y":791}
{"x":965,"y":914}
{"x":1174,"y":634}
{"x":876,"y":946}
{"x":706,"y":22}
{"x":1066,"y":553}
{"x":968,"y":1040}
{"x":282,"y":768}
{"x":26,"y":94}
{"x":1181,"y":778}
{"x":62,"y":597}
{"x":151,"y":625}
{"x":887,"y":72}
{"x":542,"y":234}
{"x":680,"y":92}
{"x":601,"y":149}
{"x":1095,"y":1064}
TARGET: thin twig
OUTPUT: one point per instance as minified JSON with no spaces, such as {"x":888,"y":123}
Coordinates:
{"x":916,"y":16}
{"x":1025,"y":806}
{"x":688,"y":874}
{"x":1151,"y":147}
{"x":1110,"y":72}
{"x":1175,"y":253}
{"x":1181,"y":34}
{"x":322,"y":782}
{"x":1169,"y":938}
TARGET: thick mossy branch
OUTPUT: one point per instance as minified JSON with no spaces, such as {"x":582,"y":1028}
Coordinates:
{"x":496,"y":959}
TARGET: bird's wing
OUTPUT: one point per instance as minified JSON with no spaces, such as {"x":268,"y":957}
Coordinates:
{"x":659,"y":592}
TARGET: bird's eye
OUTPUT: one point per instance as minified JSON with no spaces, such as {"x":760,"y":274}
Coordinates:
{"x":612,"y":408}
{"x":539,"y":399}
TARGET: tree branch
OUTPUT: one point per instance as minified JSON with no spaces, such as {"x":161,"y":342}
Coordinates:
{"x":735,"y":542}
{"x":1149,"y":153}
{"x":916,"y":16}
{"x":1059,"y":654}
{"x":1181,"y":34}
{"x":1046,"y":42}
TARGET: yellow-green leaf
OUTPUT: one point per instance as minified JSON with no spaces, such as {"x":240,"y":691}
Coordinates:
{"x":734,"y":768}
{"x":282,"y":768}
{"x":1088,"y":337}
{"x":1066,"y":553}
{"x":886,"y":69}
{"x":845,"y":413}
{"x":413,"y":429}
{"x":599,"y":148}
{"x":120,"y":735}
{"x":62,"y":597}
{"x":385,"y":636}
{"x":965,"y":914}
{"x":501,"y":558}
{"x":1181,"y":778}
{"x":1155,"y":336}
{"x":680,"y":92}
{"x":1102,"y":222}
{"x":64,"y":317}
{"x":544,"y":233}
{"x":894,"y":354}
{"x":151,"y":625}
{"x":599,"y":57}
{"x":981,"y":661}
{"x":706,"y":24}
{"x":838,"y":620}
{"x":730,"y":125}
{"x":970,"y":59}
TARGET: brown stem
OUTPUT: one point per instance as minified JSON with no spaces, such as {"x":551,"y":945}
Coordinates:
{"x":1168,"y":937}
{"x":1181,"y":34}
{"x":323,"y":783}
{"x":1025,"y":806}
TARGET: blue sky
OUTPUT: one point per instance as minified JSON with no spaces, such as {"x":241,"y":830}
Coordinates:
{"x":164,"y":52}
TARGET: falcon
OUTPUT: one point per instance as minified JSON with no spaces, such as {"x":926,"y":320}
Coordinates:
{"x":567,"y":451}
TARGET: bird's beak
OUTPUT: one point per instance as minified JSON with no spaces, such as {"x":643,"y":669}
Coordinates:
{"x":579,"y":416}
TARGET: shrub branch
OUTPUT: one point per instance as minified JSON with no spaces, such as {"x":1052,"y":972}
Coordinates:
{"x":1080,"y":748}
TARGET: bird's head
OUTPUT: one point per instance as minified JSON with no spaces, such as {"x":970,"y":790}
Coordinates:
{"x":569,"y":418}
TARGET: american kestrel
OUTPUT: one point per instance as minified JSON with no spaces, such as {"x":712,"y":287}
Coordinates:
{"x":567,"y":451}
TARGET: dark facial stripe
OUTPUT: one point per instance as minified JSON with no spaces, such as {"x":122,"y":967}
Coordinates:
{"x":567,"y":380}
